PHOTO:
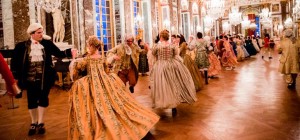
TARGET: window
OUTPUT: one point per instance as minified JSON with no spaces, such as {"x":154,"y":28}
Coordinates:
{"x":103,"y":23}
{"x":118,"y":22}
{"x":257,"y":30}
{"x":174,"y":27}
{"x":166,"y":17}
{"x":195,"y":24}
{"x":136,"y":10}
{"x":185,"y":24}
{"x":146,"y":22}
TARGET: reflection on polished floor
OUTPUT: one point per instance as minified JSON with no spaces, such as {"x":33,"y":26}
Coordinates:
{"x":250,"y":103}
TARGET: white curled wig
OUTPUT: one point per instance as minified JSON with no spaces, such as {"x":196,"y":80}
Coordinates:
{"x":128,"y":36}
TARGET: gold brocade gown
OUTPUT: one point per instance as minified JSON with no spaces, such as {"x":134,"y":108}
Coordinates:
{"x":190,"y":64}
{"x":101,"y":108}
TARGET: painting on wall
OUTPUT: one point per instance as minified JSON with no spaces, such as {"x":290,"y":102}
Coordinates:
{"x":276,"y":7}
{"x":276,"y":21}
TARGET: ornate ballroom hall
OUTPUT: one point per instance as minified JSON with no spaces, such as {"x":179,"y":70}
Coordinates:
{"x":251,"y":102}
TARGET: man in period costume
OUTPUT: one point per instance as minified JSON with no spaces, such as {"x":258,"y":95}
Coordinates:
{"x":32,"y":67}
{"x":289,"y":60}
{"x":125,"y":60}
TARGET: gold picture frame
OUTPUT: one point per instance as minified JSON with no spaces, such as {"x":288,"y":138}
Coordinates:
{"x":276,"y":8}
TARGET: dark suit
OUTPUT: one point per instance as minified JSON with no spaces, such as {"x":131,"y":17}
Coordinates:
{"x":20,"y":66}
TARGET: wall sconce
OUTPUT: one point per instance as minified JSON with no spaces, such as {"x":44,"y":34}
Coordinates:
{"x":166,"y":24}
{"x":288,"y":23}
{"x":139,"y":21}
{"x":199,"y":28}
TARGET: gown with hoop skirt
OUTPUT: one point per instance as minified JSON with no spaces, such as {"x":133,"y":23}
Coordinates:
{"x":171,"y":81}
{"x":101,"y":108}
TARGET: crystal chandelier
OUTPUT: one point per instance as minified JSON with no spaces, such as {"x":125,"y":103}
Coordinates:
{"x":48,"y":5}
{"x":226,"y":26}
{"x":252,"y":26}
{"x":138,"y":20}
{"x":199,"y":28}
{"x":215,"y":8}
{"x":235,"y":16}
{"x":208,"y":22}
{"x":288,"y":23}
{"x":265,"y":16}
{"x":245,"y":23}
{"x":166,"y":24}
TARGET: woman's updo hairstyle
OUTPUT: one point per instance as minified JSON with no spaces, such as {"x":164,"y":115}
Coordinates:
{"x":164,"y":34}
{"x":94,"y":41}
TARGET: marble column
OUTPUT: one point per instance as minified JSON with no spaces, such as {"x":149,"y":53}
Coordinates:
{"x":32,"y":11}
{"x":88,"y":18}
{"x":179,"y":8}
{"x":172,"y":22}
{"x":128,"y":9}
{"x":75,"y":25}
{"x":190,"y":10}
{"x":154,"y":19}
{"x":20,"y":17}
{"x":81,"y":27}
{"x":8,"y":23}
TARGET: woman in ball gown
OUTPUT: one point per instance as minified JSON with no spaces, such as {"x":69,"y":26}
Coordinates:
{"x":143,"y":60}
{"x":171,"y":81}
{"x":215,"y":64}
{"x":239,"y":49}
{"x":228,"y":58}
{"x":190,"y":64}
{"x":100,"y":106}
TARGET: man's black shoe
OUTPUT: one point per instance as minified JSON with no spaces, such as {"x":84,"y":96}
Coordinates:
{"x":41,"y":129}
{"x":32,"y":129}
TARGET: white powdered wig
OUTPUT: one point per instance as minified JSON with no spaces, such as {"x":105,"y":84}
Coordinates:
{"x":33,"y":27}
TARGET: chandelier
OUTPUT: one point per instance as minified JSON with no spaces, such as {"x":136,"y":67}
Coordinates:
{"x":208,"y":22}
{"x":265,"y":16}
{"x":215,"y":8}
{"x":235,"y":16}
{"x":252,"y":26}
{"x":48,"y":5}
{"x":226,"y":26}
{"x":288,"y":23}
{"x":198,"y":28}
{"x":245,"y":23}
{"x":138,"y":20}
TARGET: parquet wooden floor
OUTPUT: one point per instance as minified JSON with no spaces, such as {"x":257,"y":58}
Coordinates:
{"x":250,"y":103}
